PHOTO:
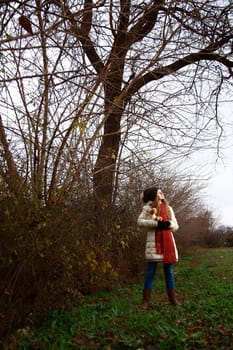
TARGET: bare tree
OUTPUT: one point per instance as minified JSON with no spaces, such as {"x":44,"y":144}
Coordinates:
{"x":114,"y":78}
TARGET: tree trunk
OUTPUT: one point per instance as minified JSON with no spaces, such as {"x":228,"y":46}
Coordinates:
{"x":10,"y":173}
{"x":104,"y":172}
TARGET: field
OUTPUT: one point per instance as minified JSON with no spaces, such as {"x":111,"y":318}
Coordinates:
{"x":113,"y":319}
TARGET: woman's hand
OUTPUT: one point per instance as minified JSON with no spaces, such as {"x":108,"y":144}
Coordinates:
{"x":163,"y":225}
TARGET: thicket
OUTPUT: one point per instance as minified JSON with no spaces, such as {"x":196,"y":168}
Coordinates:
{"x":52,"y":256}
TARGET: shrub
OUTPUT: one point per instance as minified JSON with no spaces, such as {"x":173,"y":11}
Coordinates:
{"x":51,"y":257}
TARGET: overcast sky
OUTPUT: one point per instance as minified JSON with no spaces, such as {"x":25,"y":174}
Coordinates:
{"x":220,"y":189}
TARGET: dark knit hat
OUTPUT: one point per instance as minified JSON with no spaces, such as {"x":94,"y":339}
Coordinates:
{"x":149,"y":194}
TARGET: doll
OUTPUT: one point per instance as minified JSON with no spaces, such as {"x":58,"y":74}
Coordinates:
{"x":154,"y":212}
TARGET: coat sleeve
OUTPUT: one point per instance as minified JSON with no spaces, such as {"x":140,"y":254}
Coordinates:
{"x":174,"y":224}
{"x":147,"y":220}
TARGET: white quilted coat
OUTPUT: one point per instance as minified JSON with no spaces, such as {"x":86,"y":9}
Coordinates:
{"x":146,"y":220}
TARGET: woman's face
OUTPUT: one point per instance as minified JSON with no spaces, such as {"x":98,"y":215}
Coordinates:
{"x":160,"y":195}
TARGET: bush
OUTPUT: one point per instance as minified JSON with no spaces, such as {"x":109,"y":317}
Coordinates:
{"x":51,"y":257}
{"x":229,"y":240}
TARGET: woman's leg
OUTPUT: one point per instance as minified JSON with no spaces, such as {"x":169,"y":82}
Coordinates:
{"x":169,"y":275}
{"x":148,"y":282}
{"x":170,"y":283}
{"x":151,"y":269}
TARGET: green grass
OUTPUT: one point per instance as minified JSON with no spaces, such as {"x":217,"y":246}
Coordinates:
{"x":114,"y":320}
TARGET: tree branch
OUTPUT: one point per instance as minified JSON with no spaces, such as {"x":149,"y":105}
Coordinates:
{"x":81,"y":31}
{"x":158,"y":73}
{"x":145,"y":23}
{"x":87,"y":18}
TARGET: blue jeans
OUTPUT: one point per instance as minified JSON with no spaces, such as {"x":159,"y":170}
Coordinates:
{"x":151,"y":272}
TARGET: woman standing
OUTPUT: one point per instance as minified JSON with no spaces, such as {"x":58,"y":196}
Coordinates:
{"x":160,"y":244}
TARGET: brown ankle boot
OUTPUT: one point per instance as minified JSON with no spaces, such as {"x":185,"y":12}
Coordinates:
{"x":172,"y":296}
{"x":146,"y":299}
